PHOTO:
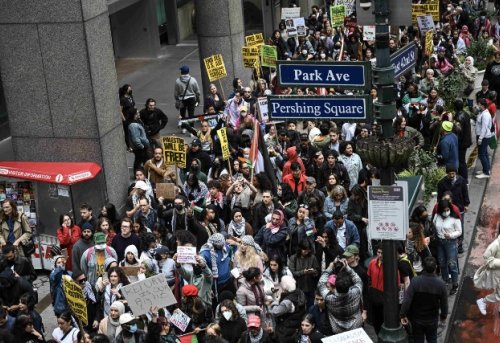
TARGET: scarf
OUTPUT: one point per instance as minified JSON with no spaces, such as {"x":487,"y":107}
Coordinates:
{"x":256,"y":339}
{"x":216,"y":240}
{"x":88,"y":293}
{"x":113,"y":327}
{"x":275,"y":228}
{"x":109,"y":298}
{"x":236,"y":229}
{"x":248,"y":240}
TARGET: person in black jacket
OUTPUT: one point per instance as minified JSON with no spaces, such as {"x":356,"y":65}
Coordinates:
{"x":464,"y":136}
{"x":334,"y":166}
{"x":22,"y":266}
{"x":12,"y":287}
{"x":231,"y":324}
{"x":154,"y":120}
{"x":424,"y":298}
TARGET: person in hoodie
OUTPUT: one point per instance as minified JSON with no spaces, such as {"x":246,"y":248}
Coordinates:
{"x":81,"y":245}
{"x":59,"y":303}
{"x":293,"y":157}
{"x":186,"y":93}
{"x":131,"y":259}
{"x":92,"y":260}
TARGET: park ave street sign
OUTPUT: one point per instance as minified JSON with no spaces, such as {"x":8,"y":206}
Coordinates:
{"x":351,"y":108}
{"x":350,"y":75}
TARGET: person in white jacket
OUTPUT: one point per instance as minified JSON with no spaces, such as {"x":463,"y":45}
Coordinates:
{"x":483,"y":135}
{"x":491,"y":277}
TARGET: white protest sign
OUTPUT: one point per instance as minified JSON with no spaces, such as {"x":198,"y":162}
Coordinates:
{"x":368,"y":32}
{"x":290,"y":12}
{"x":425,"y":23}
{"x":353,"y":336}
{"x":263,"y":108}
{"x":186,"y":254}
{"x":300,"y":26}
{"x":153,"y":291}
{"x":350,"y":6}
{"x":180,"y":320}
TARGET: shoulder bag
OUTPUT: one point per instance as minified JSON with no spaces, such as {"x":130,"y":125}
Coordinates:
{"x":179,"y":102}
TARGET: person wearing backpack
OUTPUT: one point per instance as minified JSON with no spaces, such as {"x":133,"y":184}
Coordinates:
{"x":93,"y":259}
{"x":406,"y":271}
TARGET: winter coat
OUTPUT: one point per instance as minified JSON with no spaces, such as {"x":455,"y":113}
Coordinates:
{"x":67,"y":238}
{"x":246,"y":297}
{"x":56,"y":290}
{"x":306,"y":282}
{"x":21,"y":230}
{"x":273,"y":243}
{"x":292,"y":157}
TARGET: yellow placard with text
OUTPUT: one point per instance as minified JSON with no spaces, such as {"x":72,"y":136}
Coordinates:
{"x":75,"y":298}
{"x":429,"y":44}
{"x":174,"y":151}
{"x":431,"y":7}
{"x":249,"y":54}
{"x":215,"y":67}
{"x":224,"y":143}
{"x":255,"y":39}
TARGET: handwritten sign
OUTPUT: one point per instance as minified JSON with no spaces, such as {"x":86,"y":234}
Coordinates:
{"x":431,"y":7}
{"x":425,"y":23}
{"x":429,"y":44}
{"x":290,"y":12}
{"x":165,"y":190}
{"x":130,"y":271}
{"x":215,"y":67}
{"x":75,"y":298}
{"x":180,"y":320}
{"x":141,"y":295}
{"x":337,"y":14}
{"x":368,"y":32}
{"x":186,"y":254}
{"x":250,"y":55}
{"x":268,"y":55}
{"x":224,"y":143}
{"x":174,"y":151}
{"x":255,"y":39}
{"x":353,"y":336}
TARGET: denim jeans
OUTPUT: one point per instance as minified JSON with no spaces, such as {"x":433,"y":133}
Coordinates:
{"x":483,"y":155}
{"x":448,"y":259}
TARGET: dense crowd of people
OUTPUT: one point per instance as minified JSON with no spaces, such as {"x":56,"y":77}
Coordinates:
{"x":283,"y":254}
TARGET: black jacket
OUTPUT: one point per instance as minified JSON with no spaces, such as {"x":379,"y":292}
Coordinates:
{"x":153,"y":121}
{"x":459,"y":190}
{"x":464,"y":134}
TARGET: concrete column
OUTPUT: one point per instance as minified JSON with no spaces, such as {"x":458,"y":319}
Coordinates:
{"x":59,"y":79}
{"x":220,"y":28}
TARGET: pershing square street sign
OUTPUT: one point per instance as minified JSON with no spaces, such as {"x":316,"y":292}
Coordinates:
{"x":350,"y":75}
{"x":350,"y":108}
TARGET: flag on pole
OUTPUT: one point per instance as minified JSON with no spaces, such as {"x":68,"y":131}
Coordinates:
{"x":256,"y":158}
{"x":188,"y":338}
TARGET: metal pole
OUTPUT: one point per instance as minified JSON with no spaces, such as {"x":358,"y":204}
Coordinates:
{"x":391,"y":330}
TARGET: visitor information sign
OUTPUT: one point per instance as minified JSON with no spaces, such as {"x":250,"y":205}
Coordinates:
{"x":387,"y":212}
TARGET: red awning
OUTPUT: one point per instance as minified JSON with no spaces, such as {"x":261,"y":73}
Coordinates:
{"x":65,"y":173}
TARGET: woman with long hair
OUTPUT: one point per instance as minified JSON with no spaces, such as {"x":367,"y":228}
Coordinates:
{"x":332,"y":181}
{"x":108,"y":210}
{"x":337,"y":200}
{"x":300,"y":227}
{"x":262,"y":183}
{"x":105,"y":226}
{"x":195,"y":190}
{"x":308,"y":332}
{"x":287,"y":199}
{"x":248,"y":255}
{"x":68,"y":234}
{"x":117,"y":279}
{"x":416,"y":247}
{"x":274,"y":271}
{"x":214,"y":99}
{"x":238,"y":226}
{"x":305,"y":269}
{"x":352,"y":162}
{"x":251,"y":294}
{"x":448,"y":229}
{"x":160,"y":329}
{"x":14,"y":226}
{"x":193,"y":306}
{"x":357,"y":212}
{"x":25,"y":331}
{"x":65,"y":332}
{"x":231,"y":323}
{"x":327,"y":248}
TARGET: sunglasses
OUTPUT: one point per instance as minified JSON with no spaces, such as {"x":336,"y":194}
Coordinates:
{"x":82,"y":281}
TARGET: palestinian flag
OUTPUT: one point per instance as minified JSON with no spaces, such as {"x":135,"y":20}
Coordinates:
{"x":188,"y":338}
{"x":259,"y":158}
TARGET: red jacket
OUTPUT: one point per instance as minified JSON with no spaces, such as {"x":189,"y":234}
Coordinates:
{"x":292,"y":156}
{"x":301,"y":185}
{"x":67,"y":239}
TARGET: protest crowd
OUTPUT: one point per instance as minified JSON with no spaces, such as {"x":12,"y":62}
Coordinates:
{"x":265,"y":237}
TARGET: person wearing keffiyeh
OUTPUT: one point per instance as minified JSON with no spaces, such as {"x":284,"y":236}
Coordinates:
{"x":217,"y":256}
{"x":238,"y":225}
{"x":272,"y":236}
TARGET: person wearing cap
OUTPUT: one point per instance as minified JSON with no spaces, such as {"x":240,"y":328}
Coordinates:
{"x":195,"y":152}
{"x":85,"y":242}
{"x":448,"y":145}
{"x":195,"y":308}
{"x":130,"y":332}
{"x":92,"y":260}
{"x":311,"y":192}
{"x":483,"y":136}
{"x":186,"y":93}
{"x":256,"y":333}
{"x":139,"y":190}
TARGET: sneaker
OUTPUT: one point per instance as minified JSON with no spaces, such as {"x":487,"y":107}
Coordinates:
{"x":479,"y":172}
{"x":483,"y":176}
{"x":184,"y":131}
{"x":460,"y":249}
{"x":482,"y":306}
{"x":454,"y":289}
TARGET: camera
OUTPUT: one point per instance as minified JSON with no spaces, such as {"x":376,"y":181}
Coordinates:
{"x":337,"y":266}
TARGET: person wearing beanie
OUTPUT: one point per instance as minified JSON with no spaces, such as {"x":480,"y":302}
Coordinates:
{"x":448,"y":145}
{"x":193,"y":306}
{"x":199,"y":275}
{"x":59,"y":303}
{"x":110,"y":325}
{"x":81,"y":245}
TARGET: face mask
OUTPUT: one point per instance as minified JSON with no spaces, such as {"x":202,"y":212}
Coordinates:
{"x":195,"y":169}
{"x":151,"y":251}
{"x":304,"y":52}
{"x":227,"y":314}
{"x":132,"y":328}
{"x":445,"y":213}
{"x":322,"y":55}
{"x":179,"y":207}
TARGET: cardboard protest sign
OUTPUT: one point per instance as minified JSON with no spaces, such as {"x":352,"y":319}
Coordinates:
{"x":352,"y":336}
{"x":250,"y":54}
{"x":337,"y":14}
{"x":186,"y":254}
{"x":75,"y":299}
{"x":255,"y":39}
{"x":165,"y":190}
{"x":268,"y":55}
{"x":430,"y":7}
{"x":224,"y":143}
{"x":290,"y":12}
{"x":130,"y":271}
{"x":174,"y":151}
{"x":429,"y":44}
{"x":180,"y":320}
{"x":425,"y":23}
{"x":368,"y":32}
{"x":215,"y":67}
{"x":153,"y":291}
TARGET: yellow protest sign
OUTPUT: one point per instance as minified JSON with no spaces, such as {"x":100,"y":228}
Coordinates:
{"x":75,"y":298}
{"x":174,"y":151}
{"x":256,"y":66}
{"x":268,"y":55}
{"x":215,"y":67}
{"x":249,"y":54}
{"x":255,"y":39}
{"x":224,"y":143}
{"x":429,"y":44}
{"x":430,"y":7}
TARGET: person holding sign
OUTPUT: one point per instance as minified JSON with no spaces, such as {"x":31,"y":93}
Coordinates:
{"x":159,"y":329}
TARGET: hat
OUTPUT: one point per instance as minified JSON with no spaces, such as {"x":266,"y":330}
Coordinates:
{"x":162,"y":250}
{"x":190,"y":291}
{"x":253,"y":321}
{"x":184,"y":69}
{"x":243,"y":109}
{"x":56,"y":258}
{"x":100,"y":241}
{"x":141,"y":185}
{"x":304,"y":137}
{"x":196,"y":142}
{"x":87,"y":226}
{"x":423,"y":103}
{"x":351,"y":250}
{"x":447,"y":126}
{"x":126,"y":318}
{"x":310,"y":179}
{"x":332,"y":279}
